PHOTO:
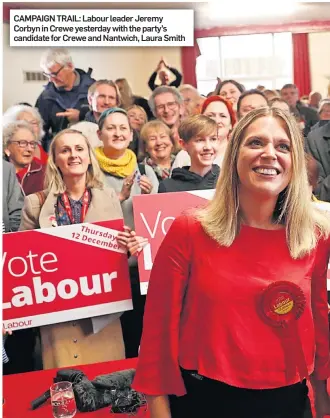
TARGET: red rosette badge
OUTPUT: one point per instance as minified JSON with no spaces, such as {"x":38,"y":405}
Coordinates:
{"x":281,"y":305}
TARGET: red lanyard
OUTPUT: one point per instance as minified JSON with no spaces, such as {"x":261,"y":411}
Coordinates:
{"x":84,"y":208}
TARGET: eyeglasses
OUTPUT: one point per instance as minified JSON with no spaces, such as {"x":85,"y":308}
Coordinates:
{"x":25,"y":144}
{"x":53,"y":75}
{"x":170,"y":105}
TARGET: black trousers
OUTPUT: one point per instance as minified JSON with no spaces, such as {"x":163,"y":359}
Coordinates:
{"x":20,"y":350}
{"x":132,"y":321}
{"x":208,"y":398}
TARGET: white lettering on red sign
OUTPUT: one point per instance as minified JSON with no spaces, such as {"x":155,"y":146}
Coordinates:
{"x":66,"y":289}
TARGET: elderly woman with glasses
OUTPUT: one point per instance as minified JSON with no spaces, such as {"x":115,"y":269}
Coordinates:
{"x":20,"y":145}
{"x":32,"y":116}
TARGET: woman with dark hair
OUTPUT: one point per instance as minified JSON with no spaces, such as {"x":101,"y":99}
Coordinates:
{"x":230,"y":90}
{"x":236,"y":316}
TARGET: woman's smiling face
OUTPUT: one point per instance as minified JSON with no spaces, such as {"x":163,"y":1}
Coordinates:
{"x":264,"y":163}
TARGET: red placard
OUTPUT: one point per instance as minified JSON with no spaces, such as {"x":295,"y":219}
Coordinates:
{"x":64,"y":273}
{"x":153,"y":216}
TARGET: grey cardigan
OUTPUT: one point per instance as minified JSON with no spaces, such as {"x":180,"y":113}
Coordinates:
{"x":12,"y":198}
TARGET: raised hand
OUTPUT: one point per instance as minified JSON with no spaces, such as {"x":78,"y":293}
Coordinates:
{"x":127,"y":187}
{"x":145,"y":185}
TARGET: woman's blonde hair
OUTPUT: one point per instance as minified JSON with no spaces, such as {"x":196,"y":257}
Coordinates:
{"x":221,"y":218}
{"x":125,"y":92}
{"x":54,"y":179}
{"x":154,"y":125}
{"x":134,"y":106}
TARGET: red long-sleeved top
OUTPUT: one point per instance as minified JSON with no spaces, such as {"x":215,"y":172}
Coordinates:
{"x":201,"y":310}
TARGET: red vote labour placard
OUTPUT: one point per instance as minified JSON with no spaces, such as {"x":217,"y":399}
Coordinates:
{"x":153,"y":216}
{"x":65,"y":273}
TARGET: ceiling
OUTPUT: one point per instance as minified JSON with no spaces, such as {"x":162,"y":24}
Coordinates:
{"x":214,"y":13}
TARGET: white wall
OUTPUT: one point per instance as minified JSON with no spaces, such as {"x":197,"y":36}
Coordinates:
{"x":135,"y":64}
{"x":319,"y":50}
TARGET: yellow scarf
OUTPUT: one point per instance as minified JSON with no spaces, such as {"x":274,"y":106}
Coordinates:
{"x":122,"y":167}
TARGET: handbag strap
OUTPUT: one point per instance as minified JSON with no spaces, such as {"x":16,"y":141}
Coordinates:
{"x":42,"y":197}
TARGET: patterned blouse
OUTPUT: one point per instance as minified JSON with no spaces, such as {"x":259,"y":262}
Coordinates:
{"x":62,"y":218}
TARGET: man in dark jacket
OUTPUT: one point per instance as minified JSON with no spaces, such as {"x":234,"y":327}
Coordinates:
{"x":307,"y":115}
{"x":199,"y":138}
{"x":163,"y":75}
{"x":62,"y":98}
{"x":318,"y":145}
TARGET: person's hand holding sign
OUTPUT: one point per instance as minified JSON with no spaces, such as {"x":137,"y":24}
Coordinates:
{"x":130,"y":241}
{"x":71,"y":114}
{"x":145,"y":185}
{"x":127,"y":186}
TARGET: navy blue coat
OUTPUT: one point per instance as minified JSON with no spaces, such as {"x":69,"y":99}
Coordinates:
{"x":53,"y":100}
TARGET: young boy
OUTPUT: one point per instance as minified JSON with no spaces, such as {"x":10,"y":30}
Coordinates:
{"x":198,"y":136}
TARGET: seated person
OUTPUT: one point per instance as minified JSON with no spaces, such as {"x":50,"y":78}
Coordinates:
{"x":19,"y":145}
{"x":163,"y":71}
{"x":159,"y":148}
{"x":199,"y":138}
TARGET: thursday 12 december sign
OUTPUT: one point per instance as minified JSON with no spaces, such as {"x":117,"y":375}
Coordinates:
{"x":65,"y":273}
{"x":153,"y":216}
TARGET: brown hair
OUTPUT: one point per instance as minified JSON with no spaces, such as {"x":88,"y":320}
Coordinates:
{"x":134,"y":106}
{"x":196,"y":125}
{"x":92,"y":89}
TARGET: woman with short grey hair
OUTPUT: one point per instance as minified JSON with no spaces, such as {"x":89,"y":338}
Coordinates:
{"x":31,"y":116}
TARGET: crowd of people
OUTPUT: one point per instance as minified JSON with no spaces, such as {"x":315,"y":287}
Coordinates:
{"x":87,"y":147}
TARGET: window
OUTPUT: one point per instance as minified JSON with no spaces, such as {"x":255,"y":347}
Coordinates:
{"x":264,"y":59}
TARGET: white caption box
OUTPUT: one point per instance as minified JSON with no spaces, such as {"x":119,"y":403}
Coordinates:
{"x":65,"y":28}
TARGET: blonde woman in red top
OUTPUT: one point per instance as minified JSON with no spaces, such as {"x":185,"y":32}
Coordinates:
{"x":236,"y":316}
